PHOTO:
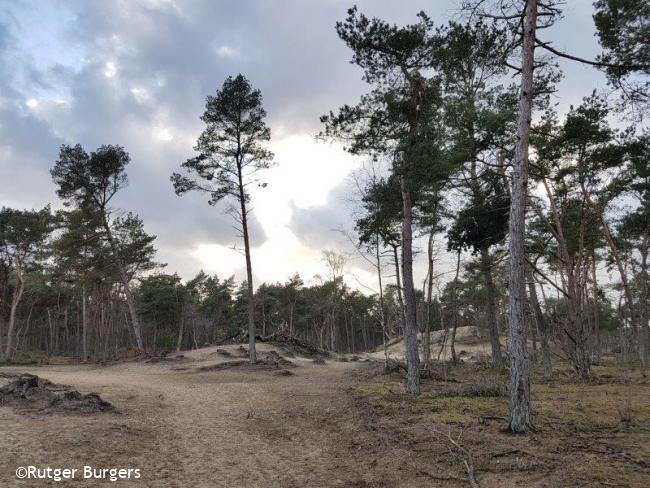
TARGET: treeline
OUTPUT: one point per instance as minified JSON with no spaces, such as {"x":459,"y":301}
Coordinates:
{"x":88,"y":317}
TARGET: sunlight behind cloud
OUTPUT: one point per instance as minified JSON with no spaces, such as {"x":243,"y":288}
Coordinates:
{"x":220,"y":259}
{"x":110,"y":70}
{"x":225,"y":51}
{"x":306,"y":171}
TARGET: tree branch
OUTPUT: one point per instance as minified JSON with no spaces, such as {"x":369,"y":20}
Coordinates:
{"x":599,"y":64}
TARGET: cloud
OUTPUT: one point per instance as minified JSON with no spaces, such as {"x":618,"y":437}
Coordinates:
{"x":136,"y":73}
{"x":225,"y":51}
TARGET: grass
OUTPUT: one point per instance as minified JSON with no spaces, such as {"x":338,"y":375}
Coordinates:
{"x":21,"y":360}
{"x":587,"y":434}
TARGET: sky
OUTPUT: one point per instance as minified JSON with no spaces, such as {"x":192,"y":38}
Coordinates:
{"x":136,"y":73}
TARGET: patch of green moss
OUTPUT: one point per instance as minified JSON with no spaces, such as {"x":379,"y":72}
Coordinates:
{"x":442,"y":409}
{"x":21,"y":360}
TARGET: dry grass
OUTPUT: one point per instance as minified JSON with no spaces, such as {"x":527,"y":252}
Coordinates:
{"x":341,"y":424}
{"x":595,"y":434}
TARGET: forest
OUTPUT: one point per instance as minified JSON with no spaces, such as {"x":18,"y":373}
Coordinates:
{"x":532,"y":225}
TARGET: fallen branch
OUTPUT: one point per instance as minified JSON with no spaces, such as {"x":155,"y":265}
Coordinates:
{"x":462,"y":453}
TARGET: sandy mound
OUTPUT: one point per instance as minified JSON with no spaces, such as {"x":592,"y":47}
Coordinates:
{"x":265,"y":360}
{"x":28,"y":391}
{"x":273,"y":354}
{"x":298,"y":348}
{"x":471,"y":345}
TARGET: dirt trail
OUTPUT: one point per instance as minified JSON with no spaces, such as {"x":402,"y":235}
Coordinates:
{"x":190,"y":422}
{"x":230,"y":428}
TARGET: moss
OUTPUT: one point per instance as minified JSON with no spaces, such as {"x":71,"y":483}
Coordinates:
{"x":21,"y":360}
{"x":455,"y":409}
{"x":592,"y":406}
{"x":619,"y":403}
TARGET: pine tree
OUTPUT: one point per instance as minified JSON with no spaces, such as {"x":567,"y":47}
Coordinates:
{"x":231,"y":152}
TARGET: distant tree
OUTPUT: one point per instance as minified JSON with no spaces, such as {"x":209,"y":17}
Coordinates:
{"x":91,"y":181}
{"x":634,"y":227}
{"x":162,"y":304}
{"x":574,"y":161}
{"x":208,"y":308}
{"x":231,"y":153}
{"x":624,"y":33}
{"x":136,"y":248}
{"x":77,"y":255}
{"x":289,"y":297}
{"x":23,"y":235}
{"x":379,"y":225}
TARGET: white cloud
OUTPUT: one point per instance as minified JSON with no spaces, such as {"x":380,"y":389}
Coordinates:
{"x":220,"y":259}
{"x":225,"y":51}
{"x":110,"y":70}
{"x":162,"y":134}
{"x":141,"y":95}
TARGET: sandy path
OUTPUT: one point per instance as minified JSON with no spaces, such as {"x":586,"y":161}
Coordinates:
{"x":227,"y":428}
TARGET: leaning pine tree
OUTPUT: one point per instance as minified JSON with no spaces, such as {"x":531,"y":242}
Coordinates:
{"x":231,"y":153}
{"x":90,"y":182}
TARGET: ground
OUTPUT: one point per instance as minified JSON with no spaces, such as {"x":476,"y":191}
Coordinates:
{"x":190,"y":422}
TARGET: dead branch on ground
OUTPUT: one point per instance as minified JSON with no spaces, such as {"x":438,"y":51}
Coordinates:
{"x":457,"y":450}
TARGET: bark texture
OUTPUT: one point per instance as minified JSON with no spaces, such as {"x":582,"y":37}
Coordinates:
{"x":252,"y":353}
{"x":410,"y":322}
{"x":519,"y":365}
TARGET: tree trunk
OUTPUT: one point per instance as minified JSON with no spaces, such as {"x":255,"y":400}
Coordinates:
{"x":519,"y":367}
{"x":382,"y":312}
{"x":398,"y":283}
{"x":15,"y":300}
{"x":542,"y":325}
{"x":252,"y":353}
{"x":20,"y":336}
{"x":135,"y":321}
{"x":410,"y":312}
{"x":181,"y":331}
{"x":293,"y":305}
{"x":50,"y":341}
{"x":493,"y":326}
{"x":427,"y":327}
{"x":84,"y":324}
{"x":596,"y":347}
{"x":644,"y":332}
{"x":452,"y":343}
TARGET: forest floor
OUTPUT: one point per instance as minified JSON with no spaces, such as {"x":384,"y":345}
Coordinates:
{"x":191,"y":421}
